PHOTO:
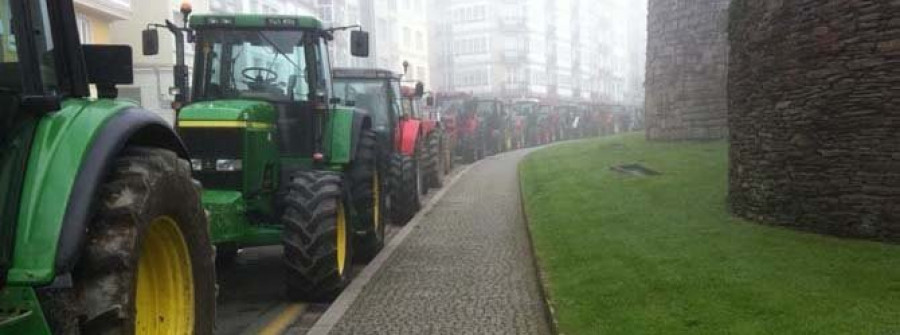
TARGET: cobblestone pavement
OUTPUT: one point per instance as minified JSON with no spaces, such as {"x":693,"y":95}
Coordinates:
{"x":466,"y":269}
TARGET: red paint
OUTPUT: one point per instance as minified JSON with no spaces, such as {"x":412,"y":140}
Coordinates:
{"x":407,"y":135}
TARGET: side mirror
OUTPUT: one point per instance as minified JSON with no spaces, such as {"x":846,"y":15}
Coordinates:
{"x":150,"y":42}
{"x":108,"y":66}
{"x":420,"y":89}
{"x":359,"y":43}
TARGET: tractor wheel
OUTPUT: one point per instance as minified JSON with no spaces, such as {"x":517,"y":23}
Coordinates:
{"x":421,"y":161}
{"x":405,"y":197}
{"x":447,"y":155}
{"x":367,"y":192}
{"x":434,"y":167}
{"x":316,"y":237}
{"x":147,"y":263}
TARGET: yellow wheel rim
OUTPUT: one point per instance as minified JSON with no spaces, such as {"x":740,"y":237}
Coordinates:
{"x":376,"y":201}
{"x":341,"y":231}
{"x":165,"y":283}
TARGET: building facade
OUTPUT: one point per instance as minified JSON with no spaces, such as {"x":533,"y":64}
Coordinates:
{"x":550,"y":49}
{"x":95,"y":17}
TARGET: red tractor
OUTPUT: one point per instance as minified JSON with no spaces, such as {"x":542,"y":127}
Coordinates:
{"x":420,"y":134}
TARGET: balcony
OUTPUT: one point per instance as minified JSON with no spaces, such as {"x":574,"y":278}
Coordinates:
{"x":113,"y":9}
{"x":514,"y":56}
{"x":512,"y":24}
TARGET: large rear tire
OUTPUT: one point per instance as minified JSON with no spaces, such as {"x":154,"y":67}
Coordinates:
{"x":147,"y":264}
{"x":316,"y":237}
{"x":406,"y":200}
{"x":434,"y":167}
{"x":367,"y":191}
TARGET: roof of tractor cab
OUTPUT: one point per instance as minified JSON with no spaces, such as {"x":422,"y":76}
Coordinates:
{"x":201,"y":21}
{"x":364,"y":73}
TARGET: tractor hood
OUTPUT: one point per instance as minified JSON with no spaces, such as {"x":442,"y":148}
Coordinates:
{"x":229,"y":110}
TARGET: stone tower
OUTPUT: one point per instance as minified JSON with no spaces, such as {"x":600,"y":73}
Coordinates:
{"x":814,"y":115}
{"x":687,"y":60}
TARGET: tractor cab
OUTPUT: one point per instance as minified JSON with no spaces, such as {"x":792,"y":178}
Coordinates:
{"x":375,"y":91}
{"x":412,"y":101}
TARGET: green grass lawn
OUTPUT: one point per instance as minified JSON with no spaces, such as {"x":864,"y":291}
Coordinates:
{"x":661,"y":255}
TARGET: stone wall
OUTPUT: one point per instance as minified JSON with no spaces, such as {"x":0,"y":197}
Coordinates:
{"x":814,"y":115}
{"x":687,"y":57}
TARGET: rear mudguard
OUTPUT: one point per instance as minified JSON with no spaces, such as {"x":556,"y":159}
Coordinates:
{"x":407,"y":136}
{"x":71,"y":155}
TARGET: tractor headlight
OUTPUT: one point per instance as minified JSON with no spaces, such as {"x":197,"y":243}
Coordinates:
{"x":228,"y":165}
{"x":196,"y":164}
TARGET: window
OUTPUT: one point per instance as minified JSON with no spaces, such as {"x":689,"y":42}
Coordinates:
{"x":470,"y":46}
{"x":13,"y":76}
{"x":420,"y":45}
{"x":84,"y":28}
{"x":406,"y":39}
{"x":421,"y":71}
{"x":268,"y":65}
{"x":7,"y":40}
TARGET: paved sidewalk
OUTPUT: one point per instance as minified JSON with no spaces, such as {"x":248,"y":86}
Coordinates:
{"x":466,"y":269}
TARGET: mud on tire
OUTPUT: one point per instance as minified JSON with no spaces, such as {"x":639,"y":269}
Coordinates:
{"x":145,"y":185}
{"x":316,"y":263}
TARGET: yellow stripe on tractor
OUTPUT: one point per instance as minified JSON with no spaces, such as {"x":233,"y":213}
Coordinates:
{"x":223,"y":124}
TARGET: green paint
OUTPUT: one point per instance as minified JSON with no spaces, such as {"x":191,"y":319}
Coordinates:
{"x":228,"y":221}
{"x":228,"y":110}
{"x":28,"y":318}
{"x":60,"y":142}
{"x":244,"y":21}
{"x":338,"y":136}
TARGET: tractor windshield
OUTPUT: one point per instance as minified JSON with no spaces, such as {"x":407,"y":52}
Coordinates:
{"x":250,"y":64}
{"x":372,"y":95}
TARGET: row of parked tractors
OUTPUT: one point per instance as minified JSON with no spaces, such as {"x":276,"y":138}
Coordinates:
{"x":112,"y":221}
{"x":480,"y":127}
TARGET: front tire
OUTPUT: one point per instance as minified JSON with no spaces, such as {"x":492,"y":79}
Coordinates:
{"x":316,"y":237}
{"x":147,"y":265}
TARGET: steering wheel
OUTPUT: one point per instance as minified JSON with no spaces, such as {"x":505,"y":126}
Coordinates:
{"x":271,"y":76}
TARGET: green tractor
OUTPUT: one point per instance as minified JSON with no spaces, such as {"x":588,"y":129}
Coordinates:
{"x":280,"y":160}
{"x":101,"y":225}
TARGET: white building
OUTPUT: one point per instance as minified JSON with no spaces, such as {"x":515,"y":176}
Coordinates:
{"x":551,"y":49}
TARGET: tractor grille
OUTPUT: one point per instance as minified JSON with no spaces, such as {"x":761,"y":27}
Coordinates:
{"x":209,"y":145}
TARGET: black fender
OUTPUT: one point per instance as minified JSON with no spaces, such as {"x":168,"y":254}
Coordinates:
{"x":361,"y":120}
{"x":131,"y":126}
